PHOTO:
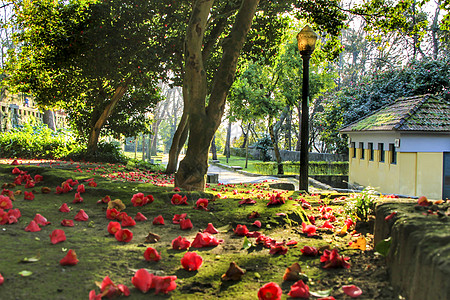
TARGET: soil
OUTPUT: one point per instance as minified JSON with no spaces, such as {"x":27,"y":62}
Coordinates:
{"x":100,"y":254}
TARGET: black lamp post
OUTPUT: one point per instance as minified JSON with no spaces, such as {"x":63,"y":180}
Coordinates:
{"x":306,"y":44}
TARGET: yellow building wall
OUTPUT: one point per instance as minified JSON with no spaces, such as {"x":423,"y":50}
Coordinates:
{"x":383,"y":176}
{"x":414,"y":174}
{"x":430,"y":174}
{"x":408,"y":173}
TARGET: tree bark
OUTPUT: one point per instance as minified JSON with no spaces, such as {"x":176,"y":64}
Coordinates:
{"x":204,"y":121}
{"x":276,"y":150}
{"x":179,"y":138}
{"x":213,"y":148}
{"x":95,"y":131}
{"x":49,"y":119}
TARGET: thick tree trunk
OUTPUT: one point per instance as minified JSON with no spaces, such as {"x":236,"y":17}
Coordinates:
{"x":178,"y":141}
{"x":204,"y":121}
{"x":49,"y":119}
{"x":95,"y":131}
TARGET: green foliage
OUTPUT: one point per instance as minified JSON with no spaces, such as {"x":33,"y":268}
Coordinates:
{"x":106,"y":152}
{"x":370,"y":93}
{"x":76,"y":54}
{"x":361,"y":205}
{"x":314,"y":168}
{"x":263,"y":145}
{"x":37,"y":142}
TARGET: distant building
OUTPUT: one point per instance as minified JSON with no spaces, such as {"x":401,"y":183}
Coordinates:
{"x":403,"y":148}
{"x":18,"y":109}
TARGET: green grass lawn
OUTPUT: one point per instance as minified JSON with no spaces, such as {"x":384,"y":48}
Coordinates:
{"x":100,"y":254}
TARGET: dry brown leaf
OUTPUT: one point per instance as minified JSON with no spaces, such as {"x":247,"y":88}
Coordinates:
{"x":117,"y":204}
{"x":45,"y":190}
{"x":292,"y":273}
{"x":234,"y":272}
{"x":152,"y":238}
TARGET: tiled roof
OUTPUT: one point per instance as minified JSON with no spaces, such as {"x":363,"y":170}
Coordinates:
{"x":415,"y":113}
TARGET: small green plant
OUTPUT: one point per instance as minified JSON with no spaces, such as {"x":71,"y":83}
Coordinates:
{"x":361,"y":205}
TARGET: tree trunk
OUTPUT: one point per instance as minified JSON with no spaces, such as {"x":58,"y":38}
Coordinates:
{"x":204,"y":121}
{"x":95,"y":131}
{"x":49,"y":119}
{"x":155,"y":127}
{"x":179,"y":138}
{"x":213,"y":148}
{"x":227,"y":151}
{"x":246,"y":145}
{"x":276,"y":150}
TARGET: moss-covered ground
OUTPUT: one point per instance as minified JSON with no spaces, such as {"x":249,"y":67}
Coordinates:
{"x":100,"y":254}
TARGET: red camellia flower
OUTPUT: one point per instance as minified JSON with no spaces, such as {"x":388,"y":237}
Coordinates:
{"x":309,"y":229}
{"x":241,"y":230}
{"x":142,"y":280}
{"x":78,"y":198}
{"x":151,"y":254}
{"x":270,"y":291}
{"x":177,"y":218}
{"x":70,"y":259}
{"x":179,"y":200}
{"x":38,"y":178}
{"x":128,"y":221}
{"x":309,"y":251}
{"x":67,"y":223}
{"x":33,"y":227}
{"x":276,"y":199}
{"x":139,"y":199}
{"x":140,"y":217}
{"x":257,"y":223}
{"x":15,"y":212}
{"x":1,"y":279}
{"x":150,"y":199}
{"x":41,"y":220}
{"x":327,"y":225}
{"x":186,"y":224}
{"x":159,"y":220}
{"x":332,"y":259}
{"x":211,"y":229}
{"x":349,"y":222}
{"x":66,"y":188}
{"x":124,"y":235}
{"x":299,"y":290}
{"x":278,"y":249}
{"x":202,"y":204}
{"x":191,"y":261}
{"x":180,"y":243}
{"x":81,"y":216}
{"x":247,"y":201}
{"x":164,"y":284}
{"x":81,"y":189}
{"x":94,"y":296}
{"x":111,"y":213}
{"x":121,"y":215}
{"x":92,"y":183}
{"x":28,"y":195}
{"x":5,"y":202}
{"x":205,"y":240}
{"x":352,"y":290}
{"x":57,"y":236}
{"x":64,"y":208}
{"x":106,"y":199}
{"x":391,"y":216}
{"x":109,"y":289}
{"x":29,"y":184}
{"x":113,"y":227}
{"x":16,"y":171}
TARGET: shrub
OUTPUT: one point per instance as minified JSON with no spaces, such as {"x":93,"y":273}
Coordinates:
{"x":37,"y":141}
{"x":106,"y":152}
